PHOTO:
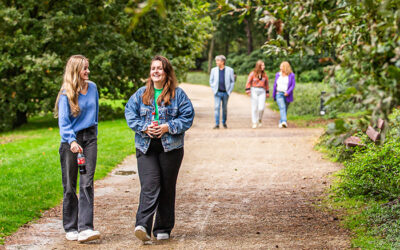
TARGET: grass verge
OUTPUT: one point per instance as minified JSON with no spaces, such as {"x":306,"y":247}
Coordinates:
{"x":30,"y":173}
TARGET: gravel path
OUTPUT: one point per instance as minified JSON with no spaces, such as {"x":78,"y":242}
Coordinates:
{"x":238,"y":188}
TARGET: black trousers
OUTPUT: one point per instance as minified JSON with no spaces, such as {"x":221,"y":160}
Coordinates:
{"x":78,"y":214}
{"x":158,"y":172}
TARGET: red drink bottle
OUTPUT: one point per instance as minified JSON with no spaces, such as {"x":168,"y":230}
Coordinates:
{"x":153,"y":121}
{"x":81,"y":163}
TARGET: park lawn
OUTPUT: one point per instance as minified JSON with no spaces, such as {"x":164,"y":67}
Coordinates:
{"x":30,"y":172}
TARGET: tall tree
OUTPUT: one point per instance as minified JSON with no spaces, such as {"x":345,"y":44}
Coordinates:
{"x":39,"y":36}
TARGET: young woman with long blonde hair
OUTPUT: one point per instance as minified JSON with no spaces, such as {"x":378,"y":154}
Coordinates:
{"x":257,"y":87}
{"x":77,"y":109}
{"x":283,"y":91}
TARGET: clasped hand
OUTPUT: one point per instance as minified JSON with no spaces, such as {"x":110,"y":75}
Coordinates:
{"x":157,"y":131}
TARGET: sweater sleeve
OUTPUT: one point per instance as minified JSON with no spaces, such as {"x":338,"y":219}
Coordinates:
{"x":292,"y":84}
{"x":185,"y":117}
{"x":212,"y":77}
{"x":97,"y":110}
{"x":266,"y":86}
{"x":248,"y":83}
{"x":132,"y":115}
{"x":64,"y":121}
{"x":275,"y":86}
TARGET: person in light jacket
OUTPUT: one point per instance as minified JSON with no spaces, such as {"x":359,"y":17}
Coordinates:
{"x":159,"y":114}
{"x":283,"y":91}
{"x":222,"y":81}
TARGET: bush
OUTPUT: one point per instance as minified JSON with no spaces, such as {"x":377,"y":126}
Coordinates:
{"x":315,"y":75}
{"x":244,"y":64}
{"x":110,"y":112}
{"x":307,"y":99}
{"x":384,"y":221}
{"x":374,"y":172}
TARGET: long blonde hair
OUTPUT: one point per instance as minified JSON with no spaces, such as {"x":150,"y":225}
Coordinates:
{"x":72,"y":84}
{"x":286,"y":68}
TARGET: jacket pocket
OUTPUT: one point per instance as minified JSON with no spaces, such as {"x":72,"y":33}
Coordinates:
{"x":143,"y":112}
{"x":172,"y":113}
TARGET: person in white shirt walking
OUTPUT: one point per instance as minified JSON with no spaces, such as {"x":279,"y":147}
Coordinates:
{"x":283,"y":91}
{"x":257,"y":87}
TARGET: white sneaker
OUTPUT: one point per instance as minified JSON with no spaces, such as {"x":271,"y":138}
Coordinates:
{"x":259,"y":124}
{"x":72,"y":235}
{"x":280,"y":125}
{"x":284,"y":124}
{"x":162,"y":236}
{"x":254,"y":125}
{"x":141,"y":234}
{"x":88,"y":235}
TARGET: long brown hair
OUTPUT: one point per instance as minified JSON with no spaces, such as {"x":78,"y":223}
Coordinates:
{"x":169,"y":86}
{"x":257,"y":69}
{"x":72,"y":83}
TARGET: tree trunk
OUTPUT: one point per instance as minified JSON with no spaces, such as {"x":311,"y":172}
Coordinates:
{"x":227,"y":48}
{"x":210,"y":54}
{"x":249,"y":36}
{"x":21,"y":118}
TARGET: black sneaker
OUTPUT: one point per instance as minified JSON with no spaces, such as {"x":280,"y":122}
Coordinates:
{"x":216,"y":127}
{"x":225,"y":126}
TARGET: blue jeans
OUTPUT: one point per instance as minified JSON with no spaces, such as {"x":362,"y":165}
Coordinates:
{"x":218,"y":98}
{"x":283,"y":106}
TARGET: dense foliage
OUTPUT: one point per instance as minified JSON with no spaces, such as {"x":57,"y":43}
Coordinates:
{"x":39,"y":36}
{"x":362,"y":38}
{"x":374,"y":172}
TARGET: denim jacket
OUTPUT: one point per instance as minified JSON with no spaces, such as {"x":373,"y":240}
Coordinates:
{"x":178,"y":115}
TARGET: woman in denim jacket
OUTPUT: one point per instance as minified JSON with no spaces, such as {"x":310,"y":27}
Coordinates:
{"x":159,"y":113}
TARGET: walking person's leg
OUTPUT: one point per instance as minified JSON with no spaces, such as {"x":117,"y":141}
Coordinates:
{"x":225,"y":98}
{"x":217,"y":105}
{"x":86,"y":191}
{"x":261,"y":104}
{"x":254,"y":107}
{"x":69,"y":170}
{"x":150,"y":179}
{"x":87,"y":139}
{"x":280,"y":100}
{"x":170,"y":163}
{"x":287,"y":107}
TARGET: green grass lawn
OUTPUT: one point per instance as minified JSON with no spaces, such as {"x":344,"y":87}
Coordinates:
{"x":30,"y":172}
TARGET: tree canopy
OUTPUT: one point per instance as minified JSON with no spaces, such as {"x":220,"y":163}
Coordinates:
{"x":39,"y":36}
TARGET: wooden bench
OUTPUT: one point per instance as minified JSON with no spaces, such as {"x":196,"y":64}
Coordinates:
{"x":354,"y":141}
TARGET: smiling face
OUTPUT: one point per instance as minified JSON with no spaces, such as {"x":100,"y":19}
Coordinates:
{"x":157,"y":72}
{"x":84,"y":74}
{"x":219,"y":63}
{"x":262,"y":66}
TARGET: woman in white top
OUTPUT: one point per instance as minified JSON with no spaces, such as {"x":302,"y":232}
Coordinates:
{"x":283,"y":91}
{"x":257,"y":87}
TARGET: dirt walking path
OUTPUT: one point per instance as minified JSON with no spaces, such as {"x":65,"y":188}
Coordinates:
{"x":238,"y":188}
